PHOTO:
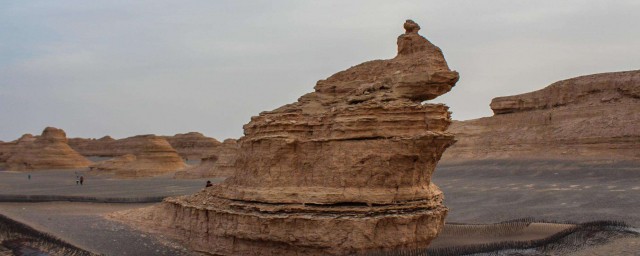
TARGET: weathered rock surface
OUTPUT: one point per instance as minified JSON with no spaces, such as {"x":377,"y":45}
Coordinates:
{"x":47,"y":151}
{"x":593,"y":118}
{"x":221,"y":163}
{"x":153,"y":156}
{"x":194,"y":145}
{"x":345,"y":169}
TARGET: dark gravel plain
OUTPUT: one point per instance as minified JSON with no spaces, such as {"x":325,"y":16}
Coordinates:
{"x":83,"y":224}
{"x":495,"y":191}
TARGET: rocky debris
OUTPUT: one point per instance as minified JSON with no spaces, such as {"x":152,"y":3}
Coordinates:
{"x":221,"y":163}
{"x":47,"y":151}
{"x":194,"y":145}
{"x":154,"y":156}
{"x":587,"y":118}
{"x":345,"y":169}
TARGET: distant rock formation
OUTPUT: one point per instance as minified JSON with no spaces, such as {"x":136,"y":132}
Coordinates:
{"x":104,"y":147}
{"x":109,"y":147}
{"x":5,"y":149}
{"x":587,"y":118}
{"x":153,"y":156}
{"x":346,"y":169}
{"x":194,"y":145}
{"x":47,"y":151}
{"x":221,"y":163}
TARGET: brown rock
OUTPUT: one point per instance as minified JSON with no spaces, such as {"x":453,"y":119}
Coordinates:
{"x":5,"y":149}
{"x":154,"y":156}
{"x":194,"y":145}
{"x":220,"y":164}
{"x":346,"y":169}
{"x":47,"y":151}
{"x":592,"y":118}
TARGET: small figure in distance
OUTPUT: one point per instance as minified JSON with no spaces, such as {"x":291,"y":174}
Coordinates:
{"x":29,"y":176}
{"x":209,"y":184}
{"x":77,"y":180}
{"x":81,"y":180}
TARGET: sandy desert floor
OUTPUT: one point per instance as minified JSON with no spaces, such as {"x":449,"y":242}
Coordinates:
{"x":481,"y":193}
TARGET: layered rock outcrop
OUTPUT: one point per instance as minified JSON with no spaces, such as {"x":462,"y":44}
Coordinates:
{"x":587,"y":118}
{"x":194,"y":145}
{"x":221,"y":163}
{"x":47,"y":151}
{"x":153,"y":156}
{"x":345,"y":169}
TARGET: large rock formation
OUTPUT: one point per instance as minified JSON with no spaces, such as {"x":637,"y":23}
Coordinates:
{"x":194,"y":145}
{"x":154,"y":156}
{"x":221,"y":163}
{"x":345,"y":169}
{"x":592,"y":118}
{"x":47,"y":151}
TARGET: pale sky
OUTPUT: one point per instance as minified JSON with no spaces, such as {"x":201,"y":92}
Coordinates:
{"x":124,"y":68}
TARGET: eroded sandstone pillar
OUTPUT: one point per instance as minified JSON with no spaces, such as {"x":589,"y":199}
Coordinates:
{"x":345,"y":169}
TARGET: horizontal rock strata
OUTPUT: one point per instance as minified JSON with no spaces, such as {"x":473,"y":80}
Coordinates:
{"x":103,"y":147}
{"x":345,"y":169}
{"x":587,"y":118}
{"x":192,"y":145}
{"x":154,"y":156}
{"x":47,"y":151}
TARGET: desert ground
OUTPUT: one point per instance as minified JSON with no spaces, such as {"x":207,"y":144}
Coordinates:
{"x":476,"y":193}
{"x":494,"y":191}
{"x":82,"y":223}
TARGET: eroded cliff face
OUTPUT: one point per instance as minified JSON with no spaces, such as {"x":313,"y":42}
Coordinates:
{"x":47,"y":151}
{"x":345,"y":169}
{"x":153,"y":156}
{"x":220,"y":163}
{"x":592,"y":118}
